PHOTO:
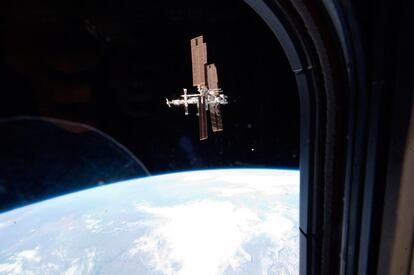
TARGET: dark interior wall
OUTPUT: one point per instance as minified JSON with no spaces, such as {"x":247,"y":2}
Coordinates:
{"x":111,"y":64}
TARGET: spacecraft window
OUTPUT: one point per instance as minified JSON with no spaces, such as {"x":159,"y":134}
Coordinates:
{"x":71,"y":70}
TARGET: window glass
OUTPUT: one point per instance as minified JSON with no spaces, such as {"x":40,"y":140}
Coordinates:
{"x":85,"y":106}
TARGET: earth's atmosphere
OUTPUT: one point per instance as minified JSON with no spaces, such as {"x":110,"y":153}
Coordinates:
{"x":234,"y":221}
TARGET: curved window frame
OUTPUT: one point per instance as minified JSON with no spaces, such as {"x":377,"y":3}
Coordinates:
{"x":315,"y":49}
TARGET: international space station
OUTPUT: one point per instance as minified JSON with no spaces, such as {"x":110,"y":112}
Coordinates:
{"x":209,"y":96}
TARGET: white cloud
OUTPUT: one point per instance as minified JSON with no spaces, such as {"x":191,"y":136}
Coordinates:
{"x":280,"y":226}
{"x":229,"y":183}
{"x":93,"y":225}
{"x":29,"y":255}
{"x":17,"y":262}
{"x":263,"y":184}
{"x":90,"y":258}
{"x":84,"y":266}
{"x":3,"y":225}
{"x":276,"y":226}
{"x":202,"y":237}
{"x":72,"y":270}
{"x":11,"y":268}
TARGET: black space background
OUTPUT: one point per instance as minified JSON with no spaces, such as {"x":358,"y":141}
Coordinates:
{"x":116,"y":77}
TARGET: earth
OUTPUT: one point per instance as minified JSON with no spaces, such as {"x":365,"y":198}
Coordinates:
{"x":233,"y":221}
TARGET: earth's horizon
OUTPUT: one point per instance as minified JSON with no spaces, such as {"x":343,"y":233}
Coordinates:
{"x":221,"y":221}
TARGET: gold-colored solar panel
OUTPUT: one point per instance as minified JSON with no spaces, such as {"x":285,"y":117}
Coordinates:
{"x":212,"y":80}
{"x":215,"y":117}
{"x":199,"y":61}
{"x":202,"y":117}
